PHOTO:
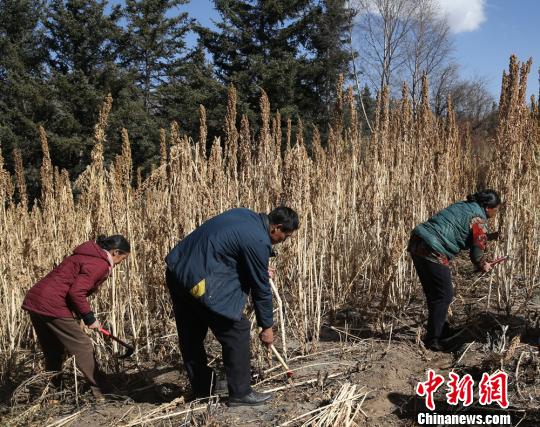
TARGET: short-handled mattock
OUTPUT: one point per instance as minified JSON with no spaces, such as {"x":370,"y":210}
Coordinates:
{"x":129,"y":348}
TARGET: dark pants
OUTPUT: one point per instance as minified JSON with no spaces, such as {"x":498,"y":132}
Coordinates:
{"x":192,"y":322}
{"x":436,"y":281}
{"x":58,"y":335}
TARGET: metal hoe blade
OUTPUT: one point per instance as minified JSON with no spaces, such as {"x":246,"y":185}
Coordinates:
{"x":129,"y":349}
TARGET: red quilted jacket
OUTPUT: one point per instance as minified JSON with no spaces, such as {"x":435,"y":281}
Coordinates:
{"x":63,"y":291}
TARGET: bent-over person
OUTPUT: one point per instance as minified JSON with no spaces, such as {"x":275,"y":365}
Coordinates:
{"x":209,"y":274}
{"x":434,"y":243}
{"x":60,"y":297}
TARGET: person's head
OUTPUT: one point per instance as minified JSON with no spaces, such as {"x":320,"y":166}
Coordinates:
{"x":283,"y":222}
{"x":487,"y":199}
{"x":116,"y":245}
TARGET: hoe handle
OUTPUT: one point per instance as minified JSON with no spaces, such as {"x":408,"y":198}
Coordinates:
{"x":118,"y":340}
{"x":274,"y":350}
{"x":499,"y":260}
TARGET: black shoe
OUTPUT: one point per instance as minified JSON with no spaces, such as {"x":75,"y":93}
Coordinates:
{"x":251,"y":399}
{"x":435,"y":345}
{"x":220,"y":387}
{"x":449,"y":333}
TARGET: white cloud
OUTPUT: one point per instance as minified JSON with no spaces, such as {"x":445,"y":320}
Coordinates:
{"x":463,"y":15}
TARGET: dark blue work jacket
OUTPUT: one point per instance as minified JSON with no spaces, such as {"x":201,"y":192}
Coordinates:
{"x":224,"y":260}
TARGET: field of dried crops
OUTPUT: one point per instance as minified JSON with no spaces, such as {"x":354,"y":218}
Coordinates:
{"x":358,"y":199}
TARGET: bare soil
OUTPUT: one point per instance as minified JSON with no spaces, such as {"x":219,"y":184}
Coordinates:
{"x":387,"y":361}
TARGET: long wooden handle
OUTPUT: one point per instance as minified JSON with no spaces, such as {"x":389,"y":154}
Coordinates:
{"x":279,"y":357}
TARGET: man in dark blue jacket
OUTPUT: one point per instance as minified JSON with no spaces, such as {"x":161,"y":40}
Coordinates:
{"x":209,"y":275}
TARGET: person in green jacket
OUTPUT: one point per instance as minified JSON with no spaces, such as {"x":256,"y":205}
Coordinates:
{"x":462,"y":225}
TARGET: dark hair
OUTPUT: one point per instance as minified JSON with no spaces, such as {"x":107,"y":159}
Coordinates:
{"x":116,"y":241}
{"x":485,"y":198}
{"x":285,"y":216}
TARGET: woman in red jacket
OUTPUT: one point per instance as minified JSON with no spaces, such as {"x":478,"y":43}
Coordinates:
{"x":55,"y":300}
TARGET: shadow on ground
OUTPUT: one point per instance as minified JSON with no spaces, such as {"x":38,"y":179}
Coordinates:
{"x":153,"y":385}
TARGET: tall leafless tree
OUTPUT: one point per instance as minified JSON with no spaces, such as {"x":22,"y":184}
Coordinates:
{"x":383,"y":26}
{"x":428,"y":46}
{"x":400,"y":40}
{"x":441,"y":85}
{"x":471,"y":99}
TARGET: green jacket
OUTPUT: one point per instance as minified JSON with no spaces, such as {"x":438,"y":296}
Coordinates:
{"x":449,"y":231}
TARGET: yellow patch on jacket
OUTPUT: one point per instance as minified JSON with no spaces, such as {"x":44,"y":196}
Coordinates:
{"x":199,"y":289}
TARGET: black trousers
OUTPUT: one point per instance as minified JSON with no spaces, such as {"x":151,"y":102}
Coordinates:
{"x":193,"y":321}
{"x":436,"y":281}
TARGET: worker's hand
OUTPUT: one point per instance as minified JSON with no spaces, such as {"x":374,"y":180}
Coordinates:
{"x":267,"y":336}
{"x":95,"y":325}
{"x":271,"y":272}
{"x":486,"y":266}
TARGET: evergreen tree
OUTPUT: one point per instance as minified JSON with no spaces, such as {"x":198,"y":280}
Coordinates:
{"x":192,"y":84}
{"x":152,"y":52}
{"x":256,"y":47}
{"x":23,"y":97}
{"x":154,"y":44}
{"x":294,"y":50}
{"x":82,"y":41}
{"x":326,"y":39}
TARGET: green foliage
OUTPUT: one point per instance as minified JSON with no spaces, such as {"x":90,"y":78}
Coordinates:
{"x":60,"y":58}
{"x":294,"y":50}
{"x":23,"y":97}
{"x":192,"y":84}
{"x":153,"y":44}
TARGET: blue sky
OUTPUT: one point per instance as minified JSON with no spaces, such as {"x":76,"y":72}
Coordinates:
{"x":485,"y":33}
{"x":509,"y":27}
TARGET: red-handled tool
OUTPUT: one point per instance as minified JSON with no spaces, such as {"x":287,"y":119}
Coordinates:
{"x":499,"y":260}
{"x":129,"y":348}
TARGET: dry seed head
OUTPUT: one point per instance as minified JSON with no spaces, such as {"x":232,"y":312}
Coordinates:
{"x":231,"y":134}
{"x":46,"y":171}
{"x":175,"y":134}
{"x":203,"y":132}
{"x":124,"y":162}
{"x":277,"y":136}
{"x":20,"y":178}
{"x":524,"y":73}
{"x":244,"y":150}
{"x":300,"y":133}
{"x":99,"y":131}
{"x":425,"y":120}
{"x":337,"y":115}
{"x":451,"y":125}
{"x":139,"y":177}
{"x":5,"y":178}
{"x":163,"y":147}
{"x":289,"y":132}
{"x":264,"y":135}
